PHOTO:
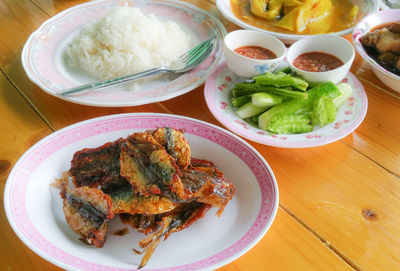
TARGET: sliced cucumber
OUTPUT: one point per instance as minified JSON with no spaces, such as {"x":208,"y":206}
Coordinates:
{"x":345,"y":90}
{"x":254,"y":119}
{"x":290,"y":124}
{"x":241,"y":100}
{"x":248,"y":110}
{"x":265,"y":99}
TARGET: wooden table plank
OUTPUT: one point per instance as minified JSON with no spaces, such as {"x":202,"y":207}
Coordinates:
{"x":363,"y":70}
{"x":323,"y":188}
{"x":21,"y":128}
{"x":191,"y":105}
{"x":378,"y":136}
{"x":18,"y":19}
{"x":345,"y":198}
{"x":307,"y":252}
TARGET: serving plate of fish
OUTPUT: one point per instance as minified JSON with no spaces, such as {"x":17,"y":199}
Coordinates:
{"x":104,"y":194}
{"x":104,"y":40}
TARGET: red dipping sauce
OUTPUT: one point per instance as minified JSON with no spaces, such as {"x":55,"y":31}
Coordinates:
{"x":317,"y":62}
{"x":255,"y":52}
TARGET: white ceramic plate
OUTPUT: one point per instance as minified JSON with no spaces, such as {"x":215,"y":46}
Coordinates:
{"x":225,"y":7}
{"x":217,"y":92}
{"x":34,"y":209}
{"x":43,"y":56}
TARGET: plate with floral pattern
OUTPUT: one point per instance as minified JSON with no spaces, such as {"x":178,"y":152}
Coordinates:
{"x":35,"y":209}
{"x":45,"y":62}
{"x":217,"y":92}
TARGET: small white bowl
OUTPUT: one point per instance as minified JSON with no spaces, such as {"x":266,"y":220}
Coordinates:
{"x":249,"y":67}
{"x":378,"y":18}
{"x":333,"y":45}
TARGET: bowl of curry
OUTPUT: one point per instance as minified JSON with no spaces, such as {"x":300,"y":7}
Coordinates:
{"x":291,"y":20}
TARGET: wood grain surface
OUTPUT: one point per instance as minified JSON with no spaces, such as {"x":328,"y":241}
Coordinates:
{"x":339,"y":203}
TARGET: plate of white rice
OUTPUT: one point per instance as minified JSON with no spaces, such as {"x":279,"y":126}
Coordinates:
{"x":100,"y":40}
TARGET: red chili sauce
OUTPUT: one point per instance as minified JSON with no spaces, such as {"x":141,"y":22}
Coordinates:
{"x":255,"y":52}
{"x":317,"y":62}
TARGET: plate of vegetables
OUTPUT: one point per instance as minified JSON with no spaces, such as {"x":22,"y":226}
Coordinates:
{"x":282,"y":110}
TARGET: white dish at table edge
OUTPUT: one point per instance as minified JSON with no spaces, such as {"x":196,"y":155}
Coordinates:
{"x":379,"y":18}
{"x":224,"y":6}
{"x":34,"y":209}
{"x":44,"y":62}
{"x":217,"y":93}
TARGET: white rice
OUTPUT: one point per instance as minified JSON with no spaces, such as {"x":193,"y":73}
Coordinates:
{"x":126,"y":41}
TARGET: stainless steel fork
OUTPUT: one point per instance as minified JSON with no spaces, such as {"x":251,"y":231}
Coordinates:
{"x":185,"y":62}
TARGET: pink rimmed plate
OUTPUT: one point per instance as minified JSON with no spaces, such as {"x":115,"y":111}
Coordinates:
{"x":217,"y":92}
{"x":45,"y":62}
{"x":34,"y":209}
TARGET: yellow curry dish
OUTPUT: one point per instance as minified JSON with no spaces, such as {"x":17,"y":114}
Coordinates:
{"x":305,"y":17}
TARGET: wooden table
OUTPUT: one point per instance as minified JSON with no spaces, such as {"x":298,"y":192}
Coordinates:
{"x":339,"y":203}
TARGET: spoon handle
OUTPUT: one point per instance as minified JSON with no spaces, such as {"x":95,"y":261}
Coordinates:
{"x":113,"y":81}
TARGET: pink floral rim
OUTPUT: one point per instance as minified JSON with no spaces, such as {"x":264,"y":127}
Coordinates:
{"x":15,"y":192}
{"x":219,"y":82}
{"x":43,"y":64}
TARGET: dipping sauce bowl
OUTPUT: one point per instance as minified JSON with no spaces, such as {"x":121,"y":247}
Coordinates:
{"x":245,"y":66}
{"x":329,"y":45}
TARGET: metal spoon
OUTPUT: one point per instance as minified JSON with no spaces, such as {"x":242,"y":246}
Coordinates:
{"x":185,"y":62}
